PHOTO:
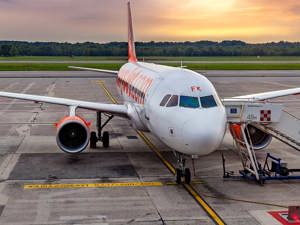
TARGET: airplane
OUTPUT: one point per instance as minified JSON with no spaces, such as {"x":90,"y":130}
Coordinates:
{"x":180,"y":107}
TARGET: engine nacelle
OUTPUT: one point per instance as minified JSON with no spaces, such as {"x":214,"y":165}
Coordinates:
{"x":259,"y":138}
{"x":73,"y":134}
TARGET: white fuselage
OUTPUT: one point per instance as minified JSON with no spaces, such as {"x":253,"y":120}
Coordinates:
{"x":184,"y":126}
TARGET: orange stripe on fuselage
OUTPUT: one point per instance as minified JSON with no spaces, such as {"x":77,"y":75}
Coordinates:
{"x":134,"y":84}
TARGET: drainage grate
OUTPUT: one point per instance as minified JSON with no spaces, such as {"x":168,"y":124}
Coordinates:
{"x":132,"y":137}
{"x":1,"y":209}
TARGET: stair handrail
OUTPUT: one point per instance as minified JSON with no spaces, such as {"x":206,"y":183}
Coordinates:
{"x":291,"y":114}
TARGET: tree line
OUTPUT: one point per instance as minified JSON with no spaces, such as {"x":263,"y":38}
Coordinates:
{"x":198,"y":48}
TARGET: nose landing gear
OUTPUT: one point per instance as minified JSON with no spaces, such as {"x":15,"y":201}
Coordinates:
{"x":183,"y":174}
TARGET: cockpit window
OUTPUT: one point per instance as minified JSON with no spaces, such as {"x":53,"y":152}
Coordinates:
{"x":165,"y":100}
{"x":189,"y":102}
{"x":173,"y":101}
{"x":208,"y":101}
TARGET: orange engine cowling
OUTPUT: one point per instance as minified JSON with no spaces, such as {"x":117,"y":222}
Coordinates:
{"x":73,"y":134}
{"x":259,"y":138}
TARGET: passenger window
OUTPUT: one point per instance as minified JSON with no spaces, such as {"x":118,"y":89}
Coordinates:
{"x":208,"y":101}
{"x":189,"y":102}
{"x":173,"y":101}
{"x":165,"y":100}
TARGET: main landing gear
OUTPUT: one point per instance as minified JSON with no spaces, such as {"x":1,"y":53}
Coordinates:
{"x":104,"y":138}
{"x":183,"y":174}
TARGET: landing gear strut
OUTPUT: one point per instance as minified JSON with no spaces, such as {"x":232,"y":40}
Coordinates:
{"x":183,"y":174}
{"x":94,"y":138}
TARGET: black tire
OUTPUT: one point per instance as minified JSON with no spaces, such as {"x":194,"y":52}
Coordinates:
{"x":261,"y":180}
{"x":187,"y":176}
{"x":93,"y":140}
{"x":284,"y":171}
{"x":178,"y":176}
{"x":105,"y":139}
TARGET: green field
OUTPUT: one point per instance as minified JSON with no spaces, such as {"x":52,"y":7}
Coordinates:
{"x":114,"y":63}
{"x":53,"y":66}
{"x":116,"y":66}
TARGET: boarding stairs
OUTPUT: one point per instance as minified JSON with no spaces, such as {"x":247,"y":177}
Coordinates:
{"x":247,"y":153}
{"x":287,"y":130}
{"x":268,"y":117}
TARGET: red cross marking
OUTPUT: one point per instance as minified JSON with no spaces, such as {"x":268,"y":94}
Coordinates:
{"x":265,"y":115}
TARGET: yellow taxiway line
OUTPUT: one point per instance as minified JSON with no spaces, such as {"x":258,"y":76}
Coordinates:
{"x":215,"y":217}
{"x":157,"y":152}
{"x":107,"y":92}
{"x":95,"y":185}
{"x":101,"y":185}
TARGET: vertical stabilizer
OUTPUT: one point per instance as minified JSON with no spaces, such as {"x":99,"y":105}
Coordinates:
{"x":131,"y":45}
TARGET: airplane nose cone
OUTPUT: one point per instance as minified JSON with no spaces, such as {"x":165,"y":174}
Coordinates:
{"x":202,"y":135}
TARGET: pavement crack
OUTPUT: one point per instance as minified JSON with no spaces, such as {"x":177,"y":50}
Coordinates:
{"x":161,"y":219}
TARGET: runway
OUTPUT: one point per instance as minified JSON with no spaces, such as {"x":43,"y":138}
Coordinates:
{"x":54,"y":74}
{"x":251,"y":73}
{"x":127,"y":183}
{"x":209,"y":73}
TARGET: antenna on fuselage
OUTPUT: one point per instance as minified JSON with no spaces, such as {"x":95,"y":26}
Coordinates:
{"x":181,"y":65}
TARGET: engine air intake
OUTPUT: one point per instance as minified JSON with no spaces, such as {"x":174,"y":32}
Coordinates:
{"x":73,"y":135}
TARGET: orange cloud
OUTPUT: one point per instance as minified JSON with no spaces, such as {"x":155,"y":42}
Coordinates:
{"x":250,"y":20}
{"x":102,"y":20}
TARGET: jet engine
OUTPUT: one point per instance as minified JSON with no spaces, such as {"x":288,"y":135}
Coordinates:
{"x":259,"y":138}
{"x":73,"y":134}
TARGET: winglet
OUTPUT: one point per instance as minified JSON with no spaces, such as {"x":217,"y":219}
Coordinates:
{"x":131,"y":46}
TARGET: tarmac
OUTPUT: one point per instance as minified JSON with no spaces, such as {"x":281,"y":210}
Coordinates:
{"x":127,"y":183}
{"x":282,"y":74}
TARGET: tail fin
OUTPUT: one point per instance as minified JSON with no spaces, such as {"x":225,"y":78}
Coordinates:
{"x":131,"y":46}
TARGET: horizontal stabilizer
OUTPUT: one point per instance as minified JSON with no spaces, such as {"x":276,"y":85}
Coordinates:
{"x":94,"y":70}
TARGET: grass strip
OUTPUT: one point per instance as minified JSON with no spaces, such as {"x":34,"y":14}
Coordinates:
{"x":116,"y":66}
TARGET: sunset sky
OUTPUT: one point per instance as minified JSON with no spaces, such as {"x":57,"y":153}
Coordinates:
{"x":159,"y":20}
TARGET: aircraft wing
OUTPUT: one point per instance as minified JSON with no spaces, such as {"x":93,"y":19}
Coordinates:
{"x":120,"y":110}
{"x":265,"y":95}
{"x":94,"y":70}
